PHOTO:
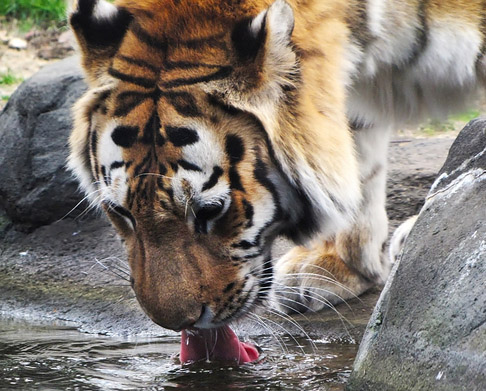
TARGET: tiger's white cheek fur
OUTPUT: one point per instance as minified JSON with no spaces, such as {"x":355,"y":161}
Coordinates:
{"x":110,"y":159}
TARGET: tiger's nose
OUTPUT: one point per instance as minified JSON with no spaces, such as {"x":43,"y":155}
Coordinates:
{"x":174,"y":315}
{"x":202,"y":322}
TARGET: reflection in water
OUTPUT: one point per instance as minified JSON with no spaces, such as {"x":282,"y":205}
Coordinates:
{"x":61,"y":358}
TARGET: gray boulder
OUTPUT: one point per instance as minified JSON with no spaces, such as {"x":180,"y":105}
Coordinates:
{"x":35,"y":187}
{"x":428,"y":331}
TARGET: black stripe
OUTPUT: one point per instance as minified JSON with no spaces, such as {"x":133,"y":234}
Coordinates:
{"x":139,"y":81}
{"x":170,"y":193}
{"x":174,"y":166}
{"x":244,"y":244}
{"x":106,"y":177}
{"x":231,"y":110}
{"x":138,"y":169}
{"x":170,"y":65}
{"x":138,"y":62}
{"x":142,"y":190}
{"x":214,"y":41}
{"x":249,"y":213}
{"x":125,"y":213}
{"x":162,"y":169}
{"x":222,"y":73}
{"x":234,"y":148}
{"x":180,"y":136}
{"x":151,"y":131}
{"x":101,"y":104}
{"x":160,"y":182}
{"x":308,"y":223}
{"x":93,"y":144}
{"x":213,"y":179}
{"x":116,"y":165}
{"x":483,"y":33}
{"x":146,"y":38}
{"x":104,"y":95}
{"x":228,"y":287}
{"x":129,"y":198}
{"x":421,"y":34}
{"x":356,"y":125}
{"x":253,"y":255}
{"x":125,"y":136}
{"x":358,"y":23}
{"x":266,"y":279}
{"x":128,"y":100}
{"x":261,"y":175}
{"x":87,"y":148}
{"x":235,"y":179}
{"x":188,"y":166}
{"x":183,"y":102}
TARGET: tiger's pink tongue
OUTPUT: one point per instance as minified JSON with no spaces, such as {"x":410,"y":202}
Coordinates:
{"x":220,"y":344}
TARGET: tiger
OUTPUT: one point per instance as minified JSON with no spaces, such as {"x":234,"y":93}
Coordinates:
{"x":211,"y":128}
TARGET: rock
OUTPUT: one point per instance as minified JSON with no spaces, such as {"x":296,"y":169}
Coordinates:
{"x":428,"y":330}
{"x":17,"y":43}
{"x":35,"y":125}
{"x":67,"y":38}
{"x":413,"y":167}
{"x":56,"y":48}
{"x":4,"y":36}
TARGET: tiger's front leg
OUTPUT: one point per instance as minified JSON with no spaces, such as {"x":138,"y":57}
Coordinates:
{"x":326,"y":272}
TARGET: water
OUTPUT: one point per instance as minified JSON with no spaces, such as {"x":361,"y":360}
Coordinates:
{"x":61,"y":358}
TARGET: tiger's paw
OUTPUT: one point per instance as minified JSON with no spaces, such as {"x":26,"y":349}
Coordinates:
{"x":310,"y":279}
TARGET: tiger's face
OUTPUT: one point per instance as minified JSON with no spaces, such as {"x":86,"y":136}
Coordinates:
{"x":172,"y":140}
{"x":182,"y":169}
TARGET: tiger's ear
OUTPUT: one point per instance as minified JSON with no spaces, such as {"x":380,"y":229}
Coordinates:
{"x":99,"y":27}
{"x":272,"y":26}
{"x":263,"y":46}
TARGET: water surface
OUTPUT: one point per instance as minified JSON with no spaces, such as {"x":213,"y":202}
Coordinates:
{"x":61,"y":358}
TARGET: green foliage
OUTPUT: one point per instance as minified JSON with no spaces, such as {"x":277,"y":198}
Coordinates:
{"x":434,"y":126}
{"x":455,"y":122}
{"x":5,"y":98}
{"x":466,"y":116}
{"x":37,"y":11}
{"x":8,"y":78}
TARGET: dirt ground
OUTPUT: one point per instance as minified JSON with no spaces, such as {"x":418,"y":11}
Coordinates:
{"x":43,"y":47}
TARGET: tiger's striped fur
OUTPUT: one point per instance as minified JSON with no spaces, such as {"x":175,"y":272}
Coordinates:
{"x":211,"y":127}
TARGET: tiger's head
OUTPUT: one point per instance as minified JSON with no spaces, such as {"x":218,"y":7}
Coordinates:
{"x":192,"y":139}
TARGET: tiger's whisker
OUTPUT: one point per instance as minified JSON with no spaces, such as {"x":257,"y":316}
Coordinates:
{"x":277,"y":338}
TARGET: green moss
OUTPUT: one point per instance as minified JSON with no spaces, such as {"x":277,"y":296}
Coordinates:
{"x":9,"y":78}
{"x":65,"y":291}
